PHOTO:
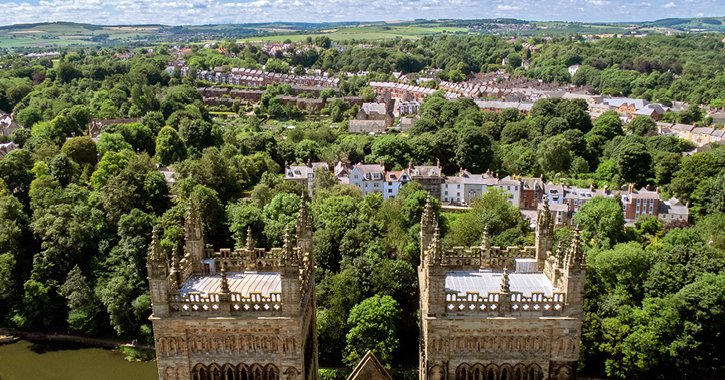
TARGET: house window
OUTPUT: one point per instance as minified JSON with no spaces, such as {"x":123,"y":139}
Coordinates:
{"x":366,"y":184}
{"x":390,"y":190}
{"x":446,"y":193}
{"x":526,"y":195}
{"x":459,"y":186}
{"x":355,"y":176}
{"x":376,"y":184}
{"x":390,"y":184}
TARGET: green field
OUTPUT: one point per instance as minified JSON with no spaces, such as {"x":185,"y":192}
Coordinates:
{"x":581,"y":28}
{"x":366,"y":32}
{"x":64,"y":34}
{"x":60,"y":34}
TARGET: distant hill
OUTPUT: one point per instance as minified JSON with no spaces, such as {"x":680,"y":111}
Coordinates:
{"x":716,"y":24}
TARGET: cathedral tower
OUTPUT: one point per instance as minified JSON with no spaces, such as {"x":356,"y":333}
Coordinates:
{"x":244,"y":314}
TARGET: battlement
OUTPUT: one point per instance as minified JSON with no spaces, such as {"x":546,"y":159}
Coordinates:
{"x":494,"y":258}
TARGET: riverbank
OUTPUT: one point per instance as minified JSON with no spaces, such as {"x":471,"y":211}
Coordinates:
{"x":94,"y":342}
{"x":64,"y":360}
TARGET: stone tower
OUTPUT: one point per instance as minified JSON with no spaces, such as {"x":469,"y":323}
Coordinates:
{"x":244,"y":314}
{"x":502,"y":314}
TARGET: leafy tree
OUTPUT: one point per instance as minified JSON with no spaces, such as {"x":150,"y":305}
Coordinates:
{"x":82,"y":150}
{"x":113,"y":142}
{"x":601,"y":222}
{"x":513,"y":132}
{"x":29,"y":116}
{"x":473,"y":150}
{"x":368,"y":94}
{"x":634,"y":162}
{"x":170,"y":147}
{"x":323,"y":179}
{"x":63,"y":169}
{"x":280,"y":212}
{"x":608,"y":125}
{"x":641,"y":125}
{"x":81,"y":302}
{"x":554,"y":155}
{"x":373,"y":327}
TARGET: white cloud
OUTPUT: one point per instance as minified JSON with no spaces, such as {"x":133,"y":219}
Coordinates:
{"x":197,"y":12}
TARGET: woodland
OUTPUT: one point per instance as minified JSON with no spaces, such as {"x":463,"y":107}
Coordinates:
{"x":76,"y":215}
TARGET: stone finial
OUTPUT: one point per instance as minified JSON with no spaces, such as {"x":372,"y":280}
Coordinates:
{"x":436,"y":250}
{"x":174,"y":260}
{"x":575,"y":256}
{"x":250,"y":240}
{"x":287,"y":249}
{"x":428,"y":217}
{"x":154,"y":254}
{"x":558,"y":251}
{"x":225,"y":283}
{"x":505,"y":286}
{"x":484,"y":239}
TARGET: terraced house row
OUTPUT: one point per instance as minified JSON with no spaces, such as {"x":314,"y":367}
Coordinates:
{"x":464,"y":188}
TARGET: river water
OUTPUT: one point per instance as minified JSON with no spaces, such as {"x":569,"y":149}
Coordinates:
{"x":25,"y":360}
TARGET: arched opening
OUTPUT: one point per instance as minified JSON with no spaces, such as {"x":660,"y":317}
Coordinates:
{"x":505,"y":374}
{"x":491,"y":374}
{"x":518,"y":375}
{"x":272,"y":374}
{"x":229,"y":375}
{"x":203,"y":374}
{"x":477,"y":374}
{"x":532,"y":374}
{"x":258,"y":374}
{"x":243,"y":374}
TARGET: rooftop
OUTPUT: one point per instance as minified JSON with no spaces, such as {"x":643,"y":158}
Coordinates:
{"x":244,"y":283}
{"x":484,"y":282}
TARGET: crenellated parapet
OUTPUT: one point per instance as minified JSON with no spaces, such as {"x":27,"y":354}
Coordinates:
{"x":460,"y":258}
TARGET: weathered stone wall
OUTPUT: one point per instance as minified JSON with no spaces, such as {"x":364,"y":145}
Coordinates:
{"x":454,"y":348}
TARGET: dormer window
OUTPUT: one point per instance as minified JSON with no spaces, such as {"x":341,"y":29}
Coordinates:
{"x":297,"y":172}
{"x":289,"y":174}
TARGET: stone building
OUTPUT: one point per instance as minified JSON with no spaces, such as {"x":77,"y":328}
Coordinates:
{"x":244,"y":314}
{"x":482,"y":321}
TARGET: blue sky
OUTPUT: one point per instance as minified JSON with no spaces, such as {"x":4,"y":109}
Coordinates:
{"x":195,"y":12}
